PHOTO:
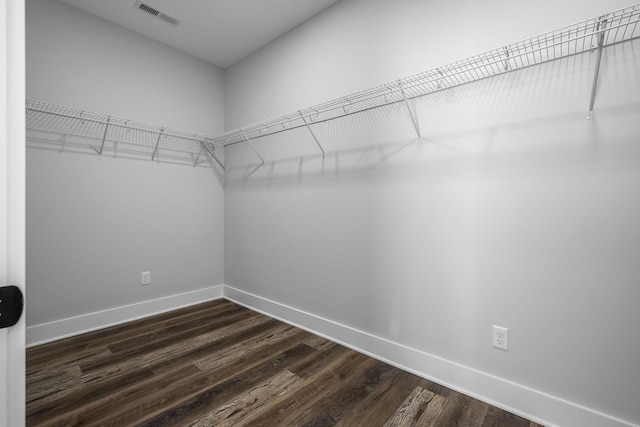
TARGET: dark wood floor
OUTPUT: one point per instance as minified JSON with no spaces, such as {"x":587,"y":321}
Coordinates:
{"x":220,"y":364}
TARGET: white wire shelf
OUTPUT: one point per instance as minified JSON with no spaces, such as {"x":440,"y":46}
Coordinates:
{"x":592,"y":34}
{"x":50,"y":124}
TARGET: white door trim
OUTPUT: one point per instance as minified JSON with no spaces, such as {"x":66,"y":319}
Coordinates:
{"x":12,"y":204}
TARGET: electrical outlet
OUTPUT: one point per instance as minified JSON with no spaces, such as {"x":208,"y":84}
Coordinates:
{"x":501,"y":337}
{"x":146,"y":277}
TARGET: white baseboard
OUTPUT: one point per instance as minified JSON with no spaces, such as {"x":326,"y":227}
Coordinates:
{"x":58,"y":329}
{"x":529,"y":403}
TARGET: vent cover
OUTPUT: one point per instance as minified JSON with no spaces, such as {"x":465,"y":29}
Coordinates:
{"x":155,"y":12}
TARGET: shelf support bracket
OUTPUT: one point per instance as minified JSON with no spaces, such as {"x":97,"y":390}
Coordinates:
{"x":155,"y":150}
{"x":104,"y":135}
{"x":252,"y":146}
{"x":311,"y":132}
{"x":195,"y":163}
{"x":602,"y":23}
{"x":506,"y":61}
{"x":416,"y":126}
{"x":440,"y":79}
{"x":208,"y":153}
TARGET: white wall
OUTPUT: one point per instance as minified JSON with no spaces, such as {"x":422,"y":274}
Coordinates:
{"x":94,"y":224}
{"x":516,"y":211}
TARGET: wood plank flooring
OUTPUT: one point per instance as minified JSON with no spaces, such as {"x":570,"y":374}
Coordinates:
{"x":220,"y":364}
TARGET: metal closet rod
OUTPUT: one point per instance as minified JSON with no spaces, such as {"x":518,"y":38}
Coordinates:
{"x":591,"y":34}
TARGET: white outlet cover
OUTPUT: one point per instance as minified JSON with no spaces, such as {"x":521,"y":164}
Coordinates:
{"x":146,"y":277}
{"x":501,"y":337}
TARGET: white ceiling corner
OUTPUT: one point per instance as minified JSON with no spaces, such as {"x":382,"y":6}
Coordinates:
{"x":218,"y":31}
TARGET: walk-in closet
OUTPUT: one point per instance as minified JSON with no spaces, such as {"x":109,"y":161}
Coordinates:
{"x":329,"y":212}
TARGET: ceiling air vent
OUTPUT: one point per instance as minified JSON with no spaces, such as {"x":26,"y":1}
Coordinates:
{"x":155,"y":12}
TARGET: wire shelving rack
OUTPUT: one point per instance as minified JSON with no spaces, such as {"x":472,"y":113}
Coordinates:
{"x":588,"y":35}
{"x":112,"y":134}
{"x":107,"y":134}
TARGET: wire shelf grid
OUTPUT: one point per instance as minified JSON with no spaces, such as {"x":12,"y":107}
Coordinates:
{"x":614,"y":27}
{"x":111,"y":134}
{"x":108,"y":134}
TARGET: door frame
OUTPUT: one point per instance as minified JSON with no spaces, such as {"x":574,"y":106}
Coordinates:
{"x":12,"y":203}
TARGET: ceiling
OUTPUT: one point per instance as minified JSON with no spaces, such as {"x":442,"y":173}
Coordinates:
{"x":218,"y":31}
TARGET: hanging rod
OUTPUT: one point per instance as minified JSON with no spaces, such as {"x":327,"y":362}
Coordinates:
{"x":46,"y":122}
{"x":588,"y":35}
